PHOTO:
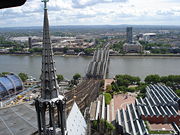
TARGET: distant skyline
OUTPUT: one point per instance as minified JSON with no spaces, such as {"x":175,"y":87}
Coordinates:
{"x":94,"y":12}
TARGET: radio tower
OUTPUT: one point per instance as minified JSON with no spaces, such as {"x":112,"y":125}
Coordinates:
{"x":50,"y":102}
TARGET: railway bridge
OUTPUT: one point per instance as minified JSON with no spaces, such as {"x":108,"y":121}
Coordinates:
{"x":98,"y":67}
{"x":87,"y":91}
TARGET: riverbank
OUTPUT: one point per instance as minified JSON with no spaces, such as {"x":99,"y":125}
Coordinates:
{"x":147,"y":55}
{"x":121,"y":55}
{"x":39,"y":54}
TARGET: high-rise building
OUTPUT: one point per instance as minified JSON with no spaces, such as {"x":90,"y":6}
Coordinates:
{"x":50,"y":102}
{"x":30,"y":42}
{"x":131,"y":46}
{"x":129,"y":35}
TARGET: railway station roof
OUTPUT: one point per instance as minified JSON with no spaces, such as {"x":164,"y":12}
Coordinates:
{"x":9,"y":82}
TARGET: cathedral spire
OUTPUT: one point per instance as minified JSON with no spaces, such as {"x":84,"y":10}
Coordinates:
{"x":50,"y":103}
{"x":48,"y":77}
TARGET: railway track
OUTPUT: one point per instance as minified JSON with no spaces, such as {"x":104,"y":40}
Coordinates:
{"x":85,"y":93}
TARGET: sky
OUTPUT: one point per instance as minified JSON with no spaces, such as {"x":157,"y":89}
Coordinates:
{"x":94,"y":12}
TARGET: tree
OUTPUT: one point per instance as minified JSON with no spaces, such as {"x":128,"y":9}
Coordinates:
{"x":123,"y":89}
{"x":131,"y":89}
{"x":178,"y":92}
{"x":150,"y":79}
{"x":126,"y":80}
{"x":102,"y":127}
{"x":135,"y":80}
{"x":35,"y":50}
{"x":115,"y":87}
{"x":4,"y":73}
{"x":76,"y":76}
{"x":102,"y":83}
{"x":108,"y":127}
{"x":142,"y":88}
{"x":118,"y":46}
{"x":75,"y":79}
{"x":174,"y":78}
{"x":60,"y":78}
{"x":164,"y":79}
{"x":74,"y":82}
{"x":108,"y":98}
{"x":88,"y":51}
{"x":23,"y":76}
{"x":108,"y":88}
{"x":65,"y":50}
{"x":125,"y":83}
{"x":168,"y":83}
{"x":77,"y":50}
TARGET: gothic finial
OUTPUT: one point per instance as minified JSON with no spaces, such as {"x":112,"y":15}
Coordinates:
{"x":45,"y":3}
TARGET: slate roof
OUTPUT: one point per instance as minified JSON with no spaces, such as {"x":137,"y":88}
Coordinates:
{"x":76,"y":124}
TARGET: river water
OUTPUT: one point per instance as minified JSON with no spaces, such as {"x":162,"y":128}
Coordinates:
{"x":69,"y":65}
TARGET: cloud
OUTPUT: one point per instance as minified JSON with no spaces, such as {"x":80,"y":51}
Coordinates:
{"x":165,"y":13}
{"x":92,"y":12}
{"x":87,"y":3}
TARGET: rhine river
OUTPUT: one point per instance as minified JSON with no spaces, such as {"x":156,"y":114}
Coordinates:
{"x":69,"y":65}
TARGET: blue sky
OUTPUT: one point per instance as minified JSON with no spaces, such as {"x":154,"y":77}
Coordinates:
{"x":94,"y":12}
